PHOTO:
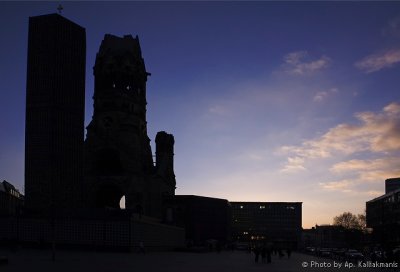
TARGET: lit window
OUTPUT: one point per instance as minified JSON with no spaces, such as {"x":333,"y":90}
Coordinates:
{"x":262,"y":207}
{"x":241,"y":207}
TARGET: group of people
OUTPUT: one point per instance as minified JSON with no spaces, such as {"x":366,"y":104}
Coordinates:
{"x":266,"y":251}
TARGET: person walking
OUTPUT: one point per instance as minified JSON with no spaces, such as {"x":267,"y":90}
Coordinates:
{"x":288,"y":252}
{"x":141,"y":247}
{"x":256,"y":253}
{"x":263,"y":254}
{"x":269,"y":252}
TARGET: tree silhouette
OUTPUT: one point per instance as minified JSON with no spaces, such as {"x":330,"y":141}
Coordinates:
{"x":350,"y":221}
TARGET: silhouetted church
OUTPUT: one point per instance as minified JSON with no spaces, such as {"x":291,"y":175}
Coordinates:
{"x":118,"y":154}
{"x":62,"y":171}
{"x":79,"y":183}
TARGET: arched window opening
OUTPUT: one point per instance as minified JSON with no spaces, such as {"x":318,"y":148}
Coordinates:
{"x":122,"y":203}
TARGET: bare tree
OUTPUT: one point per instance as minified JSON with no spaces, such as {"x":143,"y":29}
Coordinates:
{"x":350,"y":221}
{"x":362,"y":219}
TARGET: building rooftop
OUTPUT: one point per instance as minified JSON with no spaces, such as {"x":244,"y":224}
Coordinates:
{"x":385,"y":195}
{"x":55,"y":16}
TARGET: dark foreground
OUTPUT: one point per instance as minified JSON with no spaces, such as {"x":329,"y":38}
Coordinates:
{"x":75,"y":261}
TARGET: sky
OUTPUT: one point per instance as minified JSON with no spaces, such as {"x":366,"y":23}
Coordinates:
{"x":267,"y":101}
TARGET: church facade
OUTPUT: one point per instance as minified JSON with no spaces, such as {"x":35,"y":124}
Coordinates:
{"x":118,"y":155}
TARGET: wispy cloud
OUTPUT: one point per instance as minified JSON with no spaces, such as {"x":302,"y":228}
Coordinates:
{"x":379,"y":61}
{"x":219,"y":110}
{"x":341,"y":185}
{"x":360,"y":165}
{"x":349,"y":186}
{"x":320,"y":96}
{"x":377,"y":134}
{"x":299,"y":63}
{"x":323,"y":95}
{"x":294,"y":164}
{"x":361,"y":172}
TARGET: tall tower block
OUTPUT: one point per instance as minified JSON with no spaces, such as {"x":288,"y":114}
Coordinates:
{"x":55,"y":98}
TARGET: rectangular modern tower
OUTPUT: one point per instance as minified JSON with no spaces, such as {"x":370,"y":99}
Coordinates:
{"x":55,"y":98}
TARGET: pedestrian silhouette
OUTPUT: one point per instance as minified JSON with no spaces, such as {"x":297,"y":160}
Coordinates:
{"x":256,"y":253}
{"x":269,"y":252}
{"x":288,"y":252}
{"x":141,"y":247}
{"x":280,"y":253}
{"x":263,"y":254}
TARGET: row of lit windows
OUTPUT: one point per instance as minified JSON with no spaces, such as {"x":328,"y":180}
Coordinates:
{"x":262,"y":207}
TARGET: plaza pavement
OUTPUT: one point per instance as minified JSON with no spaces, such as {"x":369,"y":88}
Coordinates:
{"x":25,"y":260}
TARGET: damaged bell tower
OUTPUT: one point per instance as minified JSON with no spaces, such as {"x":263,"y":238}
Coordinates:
{"x":118,"y":156}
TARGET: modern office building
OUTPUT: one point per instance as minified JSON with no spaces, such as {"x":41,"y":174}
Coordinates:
{"x":383,"y":215}
{"x":392,"y":184}
{"x":278,"y":222}
{"x":55,"y":98}
{"x":11,"y":200}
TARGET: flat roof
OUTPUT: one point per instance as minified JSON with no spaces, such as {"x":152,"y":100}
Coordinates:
{"x":385,"y":195}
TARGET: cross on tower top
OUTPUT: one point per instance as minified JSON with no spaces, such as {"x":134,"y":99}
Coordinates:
{"x":60,"y":8}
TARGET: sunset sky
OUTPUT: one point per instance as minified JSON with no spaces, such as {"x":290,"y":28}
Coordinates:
{"x":267,"y":101}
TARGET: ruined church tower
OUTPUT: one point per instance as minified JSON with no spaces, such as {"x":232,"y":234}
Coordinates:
{"x":118,"y":156}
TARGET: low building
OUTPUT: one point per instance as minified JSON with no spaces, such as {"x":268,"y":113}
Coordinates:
{"x":332,"y":236}
{"x":115,"y":230}
{"x":11,"y":200}
{"x":277,"y":222}
{"x":308,"y":238}
{"x":204,"y":218}
{"x":325,"y":236}
{"x":383,"y":215}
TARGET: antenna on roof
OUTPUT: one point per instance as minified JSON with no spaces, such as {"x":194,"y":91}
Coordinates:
{"x":59,"y":8}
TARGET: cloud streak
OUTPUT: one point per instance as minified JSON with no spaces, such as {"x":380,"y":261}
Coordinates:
{"x":321,"y":96}
{"x":349,"y":186}
{"x":362,"y":172}
{"x":298,"y":63}
{"x":361,"y":165}
{"x":294,"y":164}
{"x":379,"y":61}
{"x":341,"y":185}
{"x":377,"y":134}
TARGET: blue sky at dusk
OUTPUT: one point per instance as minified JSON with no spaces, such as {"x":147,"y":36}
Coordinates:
{"x":267,"y":101}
